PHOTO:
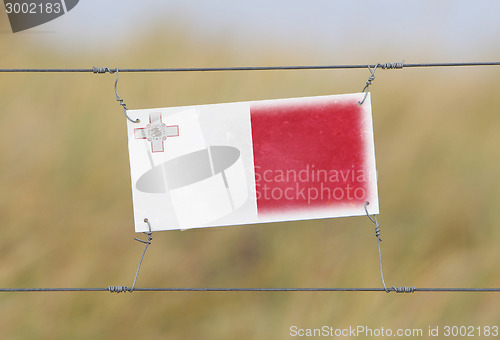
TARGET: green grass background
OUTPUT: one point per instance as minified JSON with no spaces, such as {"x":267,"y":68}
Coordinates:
{"x":66,"y":206}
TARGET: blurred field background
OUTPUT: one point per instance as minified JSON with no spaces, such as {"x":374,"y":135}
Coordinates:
{"x":66,"y":206}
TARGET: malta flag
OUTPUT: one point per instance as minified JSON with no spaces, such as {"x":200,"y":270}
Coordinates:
{"x":252,"y":162}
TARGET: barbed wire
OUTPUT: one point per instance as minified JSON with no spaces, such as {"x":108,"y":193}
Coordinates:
{"x":398,"y":65}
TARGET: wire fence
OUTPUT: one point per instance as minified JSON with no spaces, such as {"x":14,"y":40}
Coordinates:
{"x":371,"y":67}
{"x":397,"y":65}
{"x":123,"y":289}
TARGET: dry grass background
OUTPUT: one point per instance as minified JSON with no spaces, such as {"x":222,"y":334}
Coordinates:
{"x":66,"y":209}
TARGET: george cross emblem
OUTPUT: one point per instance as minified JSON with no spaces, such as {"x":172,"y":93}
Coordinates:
{"x":156,"y":132}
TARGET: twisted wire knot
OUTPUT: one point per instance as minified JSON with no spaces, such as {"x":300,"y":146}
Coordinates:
{"x":403,"y":289}
{"x":103,"y":70}
{"x":374,"y":220}
{"x":147,"y":233}
{"x":378,"y":231}
{"x":392,"y":66}
{"x":118,"y":289}
{"x":369,"y":81}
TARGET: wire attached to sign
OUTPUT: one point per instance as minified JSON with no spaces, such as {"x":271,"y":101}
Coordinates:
{"x":368,"y":83}
{"x":147,"y":242}
{"x":118,"y":98}
{"x":122,"y":289}
{"x":377,"y":234}
{"x":385,"y":66}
